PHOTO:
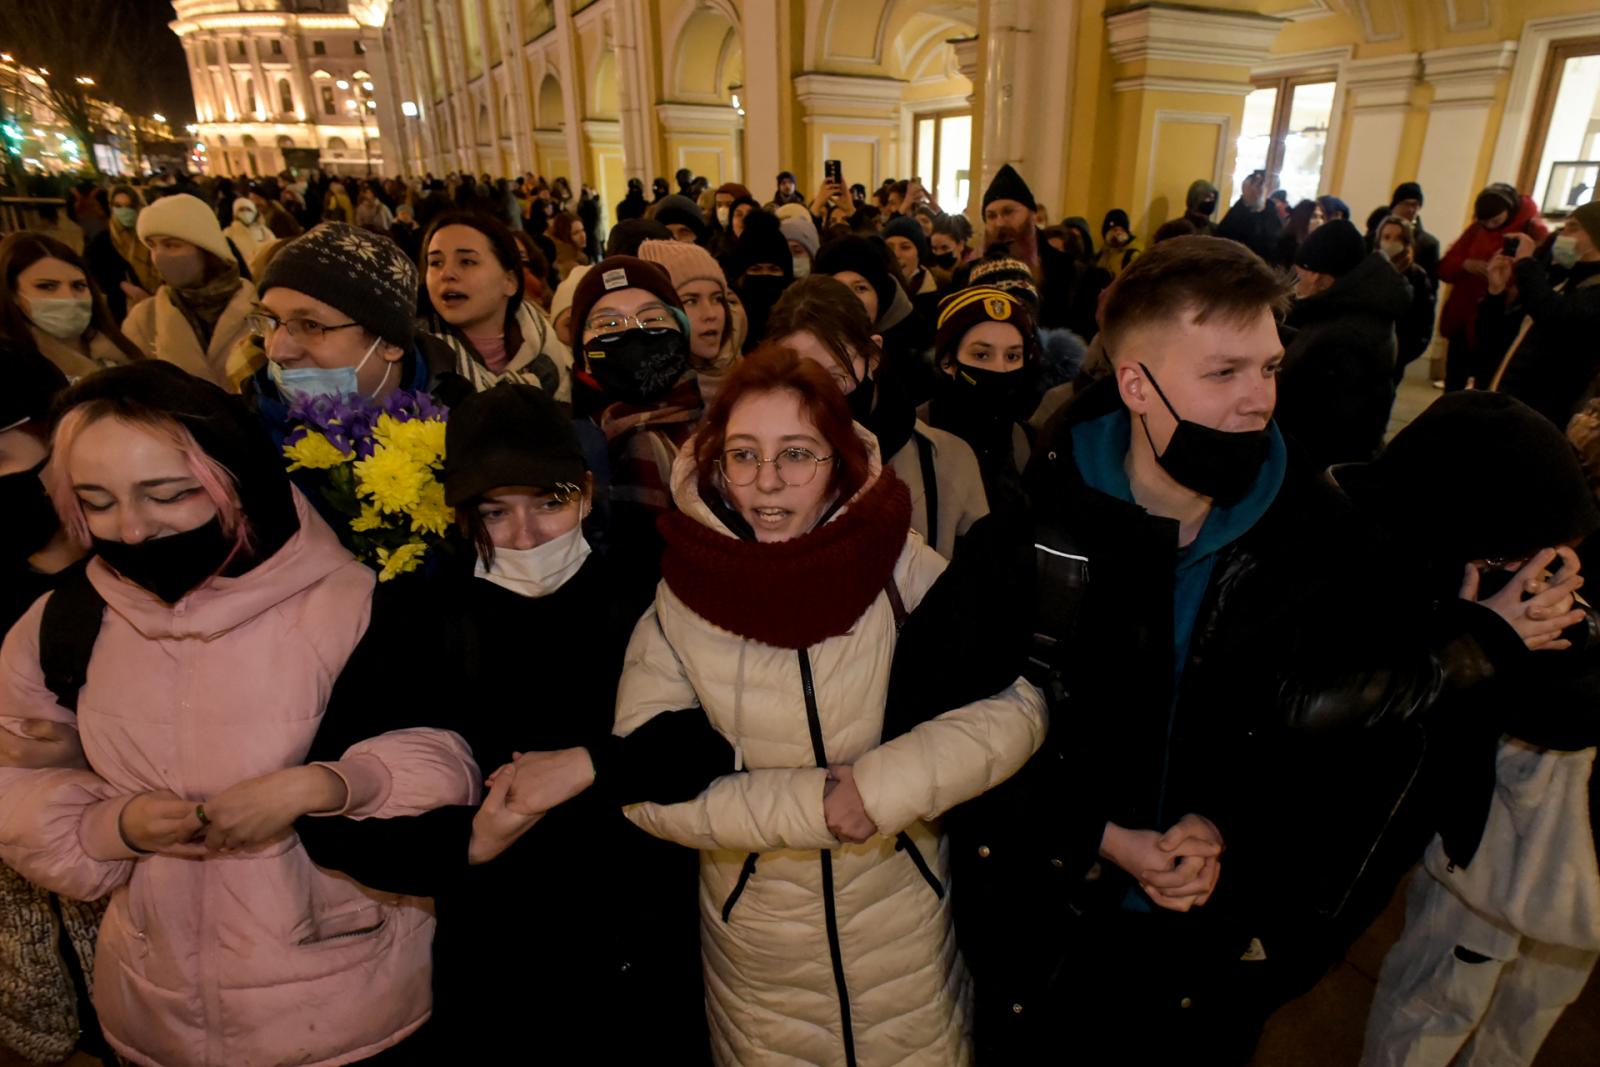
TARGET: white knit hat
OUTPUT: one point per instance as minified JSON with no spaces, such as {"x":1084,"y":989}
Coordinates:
{"x":242,"y":201}
{"x":562,"y":301}
{"x":188,"y":219}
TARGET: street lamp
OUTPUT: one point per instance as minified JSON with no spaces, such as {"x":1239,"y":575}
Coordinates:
{"x":159,"y":117}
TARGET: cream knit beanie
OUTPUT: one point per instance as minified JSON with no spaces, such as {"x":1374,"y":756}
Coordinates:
{"x":188,"y":219}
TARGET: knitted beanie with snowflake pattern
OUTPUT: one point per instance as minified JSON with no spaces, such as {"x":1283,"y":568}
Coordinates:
{"x":360,"y":273}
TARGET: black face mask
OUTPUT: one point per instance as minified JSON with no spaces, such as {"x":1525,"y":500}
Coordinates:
{"x":760,"y":294}
{"x":945,"y":260}
{"x":171,"y":566}
{"x":1002,"y":395}
{"x":860,"y":400}
{"x":1205,"y":207}
{"x":30,"y":519}
{"x":638,"y":366}
{"x":1215,"y":463}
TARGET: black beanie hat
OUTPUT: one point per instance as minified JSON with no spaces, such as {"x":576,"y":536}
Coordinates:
{"x":909,"y":228}
{"x":1334,"y":248}
{"x":866,"y":256}
{"x":360,"y":273}
{"x":222,"y":425}
{"x":1493,"y":200}
{"x":763,"y":242}
{"x":626,"y":236}
{"x":509,"y":435}
{"x":621,"y":272}
{"x":679,"y":209}
{"x":1116,"y":217}
{"x":1406,"y":191}
{"x":1478,"y":475}
{"x":32,"y":385}
{"x":1008,"y":185}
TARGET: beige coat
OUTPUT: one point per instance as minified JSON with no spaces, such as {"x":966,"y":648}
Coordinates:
{"x":71,"y":362}
{"x":962,"y":500}
{"x":157,"y":326}
{"x":771,"y":993}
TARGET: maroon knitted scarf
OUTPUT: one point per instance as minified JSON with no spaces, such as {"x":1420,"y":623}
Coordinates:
{"x":791,"y":594}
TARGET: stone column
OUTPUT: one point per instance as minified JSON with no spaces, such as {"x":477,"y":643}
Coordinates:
{"x":266,"y":91}
{"x":639,"y":135}
{"x":1455,"y":153}
{"x":1379,"y":91}
{"x":764,"y":86}
{"x":573,"y":105}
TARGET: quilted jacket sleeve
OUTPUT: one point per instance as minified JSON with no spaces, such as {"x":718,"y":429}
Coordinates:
{"x":952,"y":758}
{"x":748,"y":811}
{"x":58,"y":827}
{"x":407,"y":772}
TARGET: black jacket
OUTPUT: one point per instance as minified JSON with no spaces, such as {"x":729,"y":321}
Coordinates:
{"x":1300,"y":670}
{"x":1414,"y":330}
{"x":537,"y":948}
{"x":1554,"y":369}
{"x":1256,"y":230}
{"x":1337,"y":382}
{"x":1070,"y":294}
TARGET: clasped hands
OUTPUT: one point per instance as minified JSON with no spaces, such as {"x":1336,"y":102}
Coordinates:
{"x":255,"y":812}
{"x":1550,"y":606}
{"x":1177,"y":870}
{"x":521,"y":792}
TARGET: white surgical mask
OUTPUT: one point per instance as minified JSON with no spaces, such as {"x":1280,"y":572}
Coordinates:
{"x":64,"y":320}
{"x":541,"y":570}
{"x":1564,"y":251}
{"x":802,"y":267}
{"x":724,"y":213}
{"x":1390,"y":248}
{"x":247,"y":215}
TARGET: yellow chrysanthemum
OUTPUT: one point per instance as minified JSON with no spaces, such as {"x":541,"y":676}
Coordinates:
{"x":431,"y":514}
{"x":314,"y":452}
{"x":421,"y":439}
{"x":370,"y":519}
{"x":406,"y":558}
{"x":392,"y":479}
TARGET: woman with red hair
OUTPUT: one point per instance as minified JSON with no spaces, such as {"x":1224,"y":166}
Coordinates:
{"x":789,"y":563}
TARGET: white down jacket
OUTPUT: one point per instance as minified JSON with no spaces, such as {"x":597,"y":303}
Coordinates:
{"x":817,"y":952}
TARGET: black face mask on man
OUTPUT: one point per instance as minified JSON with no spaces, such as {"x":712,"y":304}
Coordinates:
{"x":30,"y":519}
{"x":1219,"y":464}
{"x":170,"y":567}
{"x":637,"y":366}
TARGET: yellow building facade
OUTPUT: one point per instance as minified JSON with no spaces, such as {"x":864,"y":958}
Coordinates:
{"x":1099,"y":104}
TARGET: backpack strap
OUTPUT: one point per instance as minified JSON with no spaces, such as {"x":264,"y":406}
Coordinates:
{"x":896,"y":603}
{"x":67,"y":633}
{"x":930,"y":487}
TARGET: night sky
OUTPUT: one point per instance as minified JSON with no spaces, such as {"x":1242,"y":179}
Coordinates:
{"x":167,"y":87}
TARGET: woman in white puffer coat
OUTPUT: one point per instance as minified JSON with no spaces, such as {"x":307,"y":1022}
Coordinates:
{"x":826,"y":931}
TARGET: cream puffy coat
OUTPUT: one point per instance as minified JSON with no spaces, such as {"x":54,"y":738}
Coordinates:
{"x":772,"y":988}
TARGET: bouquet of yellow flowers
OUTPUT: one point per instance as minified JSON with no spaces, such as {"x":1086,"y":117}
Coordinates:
{"x":376,"y":469}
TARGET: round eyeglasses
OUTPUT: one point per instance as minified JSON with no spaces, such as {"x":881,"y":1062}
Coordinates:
{"x":795,"y":466}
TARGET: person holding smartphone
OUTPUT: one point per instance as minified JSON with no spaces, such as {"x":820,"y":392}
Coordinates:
{"x":1249,"y":221}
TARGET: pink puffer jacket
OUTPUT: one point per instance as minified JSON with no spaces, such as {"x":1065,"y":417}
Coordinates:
{"x":255,"y":958}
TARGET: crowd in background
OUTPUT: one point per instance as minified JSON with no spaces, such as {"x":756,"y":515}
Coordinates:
{"x":448,"y":617}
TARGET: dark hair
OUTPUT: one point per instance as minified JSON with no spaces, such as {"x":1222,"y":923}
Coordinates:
{"x":1173,"y":228}
{"x":561,"y":226}
{"x":771,"y":368}
{"x":501,"y":245}
{"x":1299,"y":222}
{"x":1209,"y":276}
{"x":824,"y":307}
{"x":956,"y":227}
{"x":537,"y":264}
{"x":21,"y":250}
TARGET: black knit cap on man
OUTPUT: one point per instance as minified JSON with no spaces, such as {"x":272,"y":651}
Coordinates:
{"x":1068,"y":293}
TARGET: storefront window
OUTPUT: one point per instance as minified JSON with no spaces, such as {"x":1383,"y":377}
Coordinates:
{"x":1566,"y":131}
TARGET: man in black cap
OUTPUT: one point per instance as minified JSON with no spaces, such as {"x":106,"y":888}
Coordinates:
{"x":788,"y":191}
{"x":1065,"y":297}
{"x":1120,"y":250}
{"x":1336,"y":385}
{"x":682,"y":217}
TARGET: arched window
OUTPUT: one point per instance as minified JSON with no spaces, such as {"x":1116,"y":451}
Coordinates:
{"x":285,"y":141}
{"x":336,"y":144}
{"x":285,"y":96}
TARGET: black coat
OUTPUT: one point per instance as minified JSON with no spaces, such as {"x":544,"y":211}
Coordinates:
{"x":1414,"y":330}
{"x":1293,"y":678}
{"x":1070,"y":294}
{"x":536,"y":950}
{"x":1554,"y":369}
{"x":1337,"y":382}
{"x":1256,"y":230}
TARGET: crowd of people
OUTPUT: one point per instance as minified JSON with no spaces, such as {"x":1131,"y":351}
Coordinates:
{"x":846,"y":635}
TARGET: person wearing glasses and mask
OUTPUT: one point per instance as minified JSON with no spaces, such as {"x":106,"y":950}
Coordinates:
{"x":633,"y":381}
{"x":334,"y":317}
{"x":790,"y":562}
{"x":196,"y":319}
